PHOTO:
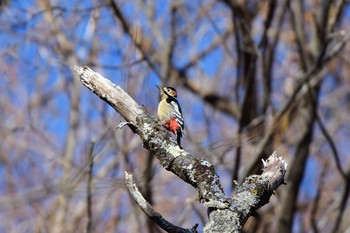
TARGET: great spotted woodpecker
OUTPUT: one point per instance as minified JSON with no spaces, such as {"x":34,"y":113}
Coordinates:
{"x":169,"y":112}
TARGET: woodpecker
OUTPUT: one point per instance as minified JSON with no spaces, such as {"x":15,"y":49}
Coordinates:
{"x":169,"y":112}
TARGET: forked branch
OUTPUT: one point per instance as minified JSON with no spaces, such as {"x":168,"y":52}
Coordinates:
{"x":226,"y":214}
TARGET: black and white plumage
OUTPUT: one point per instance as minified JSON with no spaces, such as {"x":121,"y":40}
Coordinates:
{"x":169,"y":112}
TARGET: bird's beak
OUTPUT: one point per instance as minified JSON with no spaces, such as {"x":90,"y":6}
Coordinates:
{"x":158,"y":87}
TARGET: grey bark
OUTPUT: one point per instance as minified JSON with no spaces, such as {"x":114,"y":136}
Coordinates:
{"x":226,"y":214}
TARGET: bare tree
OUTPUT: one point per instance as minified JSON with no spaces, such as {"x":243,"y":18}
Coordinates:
{"x":253,"y":77}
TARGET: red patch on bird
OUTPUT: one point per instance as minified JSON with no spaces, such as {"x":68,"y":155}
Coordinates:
{"x":172,"y":125}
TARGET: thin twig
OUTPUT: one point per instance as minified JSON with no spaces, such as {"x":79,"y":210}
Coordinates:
{"x":88,"y":189}
{"x":343,"y":202}
{"x":317,"y":200}
{"x":331,"y":144}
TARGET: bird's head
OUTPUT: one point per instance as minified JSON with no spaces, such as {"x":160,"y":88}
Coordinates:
{"x":167,"y":91}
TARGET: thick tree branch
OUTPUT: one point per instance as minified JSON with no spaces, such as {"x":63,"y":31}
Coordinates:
{"x":195,"y":171}
{"x":250,"y":196}
{"x":225,"y":214}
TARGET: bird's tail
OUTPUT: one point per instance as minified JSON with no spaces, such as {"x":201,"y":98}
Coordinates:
{"x":178,"y":137}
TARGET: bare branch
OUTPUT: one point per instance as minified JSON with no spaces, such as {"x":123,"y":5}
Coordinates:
{"x":251,"y":195}
{"x":148,"y":209}
{"x":331,"y":145}
{"x":343,"y":202}
{"x":315,"y":204}
{"x":226,"y":214}
{"x":197,"y":172}
{"x":110,"y":93}
{"x":88,"y":189}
